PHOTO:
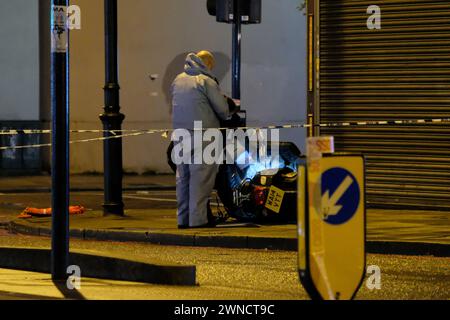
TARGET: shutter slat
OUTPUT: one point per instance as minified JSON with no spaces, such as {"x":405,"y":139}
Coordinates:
{"x":399,"y":72}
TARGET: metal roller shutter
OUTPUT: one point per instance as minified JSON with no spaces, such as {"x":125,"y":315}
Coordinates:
{"x":399,"y":72}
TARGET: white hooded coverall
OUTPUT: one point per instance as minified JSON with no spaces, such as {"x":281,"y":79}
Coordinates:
{"x":196,"y":97}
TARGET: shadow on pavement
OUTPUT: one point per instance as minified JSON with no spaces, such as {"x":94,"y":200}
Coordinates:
{"x":67,"y":293}
{"x":5,"y":296}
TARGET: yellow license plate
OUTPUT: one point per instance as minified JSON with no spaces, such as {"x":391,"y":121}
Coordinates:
{"x":275,"y":199}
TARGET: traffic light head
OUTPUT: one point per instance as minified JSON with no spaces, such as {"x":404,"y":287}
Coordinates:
{"x":211,"y":6}
{"x":225,"y":10}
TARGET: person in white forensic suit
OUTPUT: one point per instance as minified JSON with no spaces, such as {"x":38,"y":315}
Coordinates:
{"x":196,"y":96}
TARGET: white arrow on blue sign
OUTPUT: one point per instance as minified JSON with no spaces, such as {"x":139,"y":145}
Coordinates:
{"x":341,"y":196}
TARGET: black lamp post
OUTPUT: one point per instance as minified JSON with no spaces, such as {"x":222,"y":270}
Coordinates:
{"x":112,"y":118}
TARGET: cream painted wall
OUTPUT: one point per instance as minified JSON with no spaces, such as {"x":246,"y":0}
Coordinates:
{"x":154,"y":37}
{"x":274,"y":68}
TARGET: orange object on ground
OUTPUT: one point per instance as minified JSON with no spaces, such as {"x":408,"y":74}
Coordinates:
{"x":45,"y":213}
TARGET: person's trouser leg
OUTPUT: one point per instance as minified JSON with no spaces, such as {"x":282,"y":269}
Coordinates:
{"x":202,"y":180}
{"x":183,"y":177}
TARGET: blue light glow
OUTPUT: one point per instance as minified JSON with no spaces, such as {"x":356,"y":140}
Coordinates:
{"x":268,"y":163}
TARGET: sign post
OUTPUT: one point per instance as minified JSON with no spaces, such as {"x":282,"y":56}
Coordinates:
{"x":60,"y":139}
{"x":332,"y":226}
{"x":237,"y":50}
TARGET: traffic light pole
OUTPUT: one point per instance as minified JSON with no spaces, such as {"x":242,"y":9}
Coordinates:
{"x":60,"y":139}
{"x":237,"y":38}
{"x":112,"y":118}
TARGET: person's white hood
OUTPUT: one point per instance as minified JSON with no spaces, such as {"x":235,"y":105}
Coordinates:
{"x":196,"y":96}
{"x":194,"y":66}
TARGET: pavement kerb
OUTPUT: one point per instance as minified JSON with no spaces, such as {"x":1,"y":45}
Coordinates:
{"x":234,"y":242}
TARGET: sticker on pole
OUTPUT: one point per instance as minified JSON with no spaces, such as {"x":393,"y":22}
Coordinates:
{"x":332,"y":227}
{"x":59,"y":29}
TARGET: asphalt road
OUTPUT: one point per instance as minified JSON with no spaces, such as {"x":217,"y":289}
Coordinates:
{"x":225,"y":274}
{"x":221,"y":273}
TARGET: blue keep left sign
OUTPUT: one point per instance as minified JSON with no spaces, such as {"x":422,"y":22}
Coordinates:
{"x":341,"y":196}
{"x":332,"y":225}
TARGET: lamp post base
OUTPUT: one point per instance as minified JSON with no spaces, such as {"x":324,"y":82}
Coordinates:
{"x":113,"y":165}
{"x":113,"y":209}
